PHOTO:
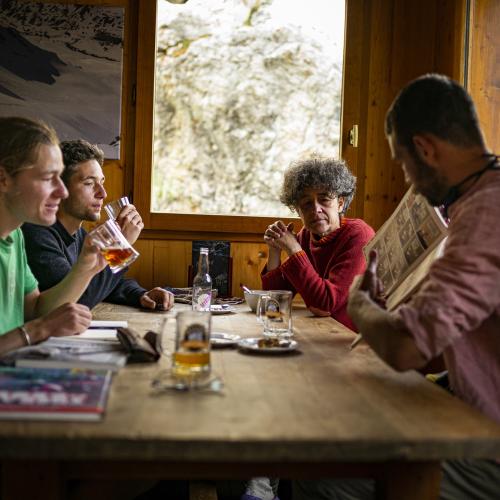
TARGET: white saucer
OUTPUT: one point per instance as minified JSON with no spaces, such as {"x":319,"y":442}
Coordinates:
{"x":223,"y":339}
{"x":252,"y":344}
{"x":222,"y":309}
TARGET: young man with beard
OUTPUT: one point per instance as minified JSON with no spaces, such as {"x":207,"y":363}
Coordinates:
{"x":433,"y":132}
{"x":52,"y":251}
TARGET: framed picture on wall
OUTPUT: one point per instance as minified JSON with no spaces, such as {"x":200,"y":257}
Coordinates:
{"x":63,"y":64}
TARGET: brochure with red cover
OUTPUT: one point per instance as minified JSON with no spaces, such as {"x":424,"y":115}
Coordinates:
{"x":53,"y":394}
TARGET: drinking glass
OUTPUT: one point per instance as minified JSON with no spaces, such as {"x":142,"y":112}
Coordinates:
{"x":191,"y":357}
{"x":113,"y":245}
{"x":274,"y":311}
{"x":114,"y":207}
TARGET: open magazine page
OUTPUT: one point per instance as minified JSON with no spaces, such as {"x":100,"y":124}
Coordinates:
{"x":413,"y":281}
{"x":411,"y":233}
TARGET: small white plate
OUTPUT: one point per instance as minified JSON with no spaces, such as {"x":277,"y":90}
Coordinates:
{"x":222,"y":309}
{"x":252,"y":344}
{"x":223,"y":339}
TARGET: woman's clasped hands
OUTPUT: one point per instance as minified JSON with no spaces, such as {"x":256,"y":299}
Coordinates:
{"x":281,"y":237}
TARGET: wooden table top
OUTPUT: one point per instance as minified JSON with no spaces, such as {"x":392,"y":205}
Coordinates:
{"x":321,"y":403}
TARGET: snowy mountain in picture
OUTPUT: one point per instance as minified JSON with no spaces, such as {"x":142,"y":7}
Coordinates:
{"x":63,"y":64}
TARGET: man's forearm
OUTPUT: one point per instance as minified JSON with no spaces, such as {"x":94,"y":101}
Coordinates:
{"x":384,"y":332}
{"x":69,"y":289}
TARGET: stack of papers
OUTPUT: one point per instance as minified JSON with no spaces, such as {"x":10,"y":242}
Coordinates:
{"x":101,"y":330}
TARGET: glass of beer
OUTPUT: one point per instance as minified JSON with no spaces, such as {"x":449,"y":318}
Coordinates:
{"x":274,"y":311}
{"x":113,"y":245}
{"x":113,"y":208}
{"x":191,"y":357}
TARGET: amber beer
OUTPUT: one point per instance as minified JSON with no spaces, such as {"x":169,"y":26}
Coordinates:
{"x":191,"y":358}
{"x":113,"y":245}
{"x":117,"y":256}
{"x":192,"y":363}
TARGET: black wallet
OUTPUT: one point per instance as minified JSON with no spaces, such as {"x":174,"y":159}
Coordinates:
{"x":140,"y":349}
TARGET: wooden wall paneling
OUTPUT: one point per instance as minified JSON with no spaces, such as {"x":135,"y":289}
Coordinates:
{"x":383,"y":177}
{"x":406,"y":39}
{"x":115,"y":171}
{"x":170,"y":262}
{"x":450,"y":38}
{"x":248,"y":261}
{"x":484,"y":67}
{"x":144,"y":104}
{"x":354,"y":95}
{"x":142,"y":269}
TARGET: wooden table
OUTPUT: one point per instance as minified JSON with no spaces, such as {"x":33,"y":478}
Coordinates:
{"x":319,"y":412}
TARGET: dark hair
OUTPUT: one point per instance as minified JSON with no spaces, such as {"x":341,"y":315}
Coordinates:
{"x":434,"y":104}
{"x":318,"y":173}
{"x":78,"y":151}
{"x":20,"y":139}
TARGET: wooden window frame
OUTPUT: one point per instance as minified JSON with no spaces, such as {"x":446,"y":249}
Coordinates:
{"x":235,"y":227}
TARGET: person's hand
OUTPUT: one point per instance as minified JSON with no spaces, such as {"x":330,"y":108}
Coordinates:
{"x":90,"y":261}
{"x":68,"y":319}
{"x":130,"y":223}
{"x":282,"y":237}
{"x":157,"y":298}
{"x":272,"y":234}
{"x":370,"y":282}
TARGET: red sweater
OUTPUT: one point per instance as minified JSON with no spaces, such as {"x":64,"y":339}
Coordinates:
{"x":324,"y":270}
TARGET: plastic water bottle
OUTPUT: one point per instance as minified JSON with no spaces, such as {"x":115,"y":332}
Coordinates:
{"x":202,"y":284}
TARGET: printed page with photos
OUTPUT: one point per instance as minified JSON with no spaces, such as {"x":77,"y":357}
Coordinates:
{"x":407,"y":244}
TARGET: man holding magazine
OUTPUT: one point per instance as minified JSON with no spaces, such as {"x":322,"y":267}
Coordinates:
{"x":433,"y":131}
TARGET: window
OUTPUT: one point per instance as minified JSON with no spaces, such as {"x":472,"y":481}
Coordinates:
{"x":242,"y":88}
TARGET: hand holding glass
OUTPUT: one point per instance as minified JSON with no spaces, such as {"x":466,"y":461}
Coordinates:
{"x":113,"y":245}
{"x":113,"y":208}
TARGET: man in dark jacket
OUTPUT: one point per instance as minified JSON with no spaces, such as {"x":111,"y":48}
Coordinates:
{"x":53,"y":250}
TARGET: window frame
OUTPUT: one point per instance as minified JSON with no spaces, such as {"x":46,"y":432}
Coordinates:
{"x":240,"y":227}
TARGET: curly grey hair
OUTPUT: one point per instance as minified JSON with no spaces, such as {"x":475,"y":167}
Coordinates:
{"x":319,"y":173}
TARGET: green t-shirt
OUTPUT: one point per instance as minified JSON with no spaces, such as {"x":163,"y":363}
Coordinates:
{"x":16,"y":281}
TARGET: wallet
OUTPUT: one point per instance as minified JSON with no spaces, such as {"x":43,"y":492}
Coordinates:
{"x":139,"y":349}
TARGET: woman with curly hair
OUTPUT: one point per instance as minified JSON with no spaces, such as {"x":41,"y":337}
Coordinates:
{"x":325,"y":256}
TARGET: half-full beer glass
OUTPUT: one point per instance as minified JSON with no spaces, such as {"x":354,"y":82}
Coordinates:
{"x":191,"y":357}
{"x":113,"y":245}
{"x":274,"y":311}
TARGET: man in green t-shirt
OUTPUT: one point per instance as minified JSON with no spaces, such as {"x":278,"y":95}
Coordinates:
{"x":18,"y":283}
{"x":30,"y":191}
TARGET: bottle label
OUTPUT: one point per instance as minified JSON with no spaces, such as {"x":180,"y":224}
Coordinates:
{"x":202,"y":299}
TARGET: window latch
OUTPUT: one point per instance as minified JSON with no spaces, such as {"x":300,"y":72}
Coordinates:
{"x":353,"y":136}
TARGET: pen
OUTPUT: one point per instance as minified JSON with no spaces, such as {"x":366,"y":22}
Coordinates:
{"x":357,"y":340}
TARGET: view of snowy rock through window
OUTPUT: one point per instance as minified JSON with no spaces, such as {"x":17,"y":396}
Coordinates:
{"x":243,"y":88}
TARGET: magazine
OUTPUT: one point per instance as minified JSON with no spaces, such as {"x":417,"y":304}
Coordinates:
{"x":407,"y":244}
{"x":63,"y":352}
{"x":53,"y":394}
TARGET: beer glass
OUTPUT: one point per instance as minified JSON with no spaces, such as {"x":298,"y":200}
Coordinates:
{"x":274,"y":311}
{"x":113,"y":208}
{"x":191,"y":357}
{"x":113,"y":245}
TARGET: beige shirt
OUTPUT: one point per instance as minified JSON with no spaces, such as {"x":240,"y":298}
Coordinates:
{"x":457,"y":311}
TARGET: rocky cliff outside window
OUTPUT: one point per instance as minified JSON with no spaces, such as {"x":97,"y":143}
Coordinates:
{"x":243,"y":87}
